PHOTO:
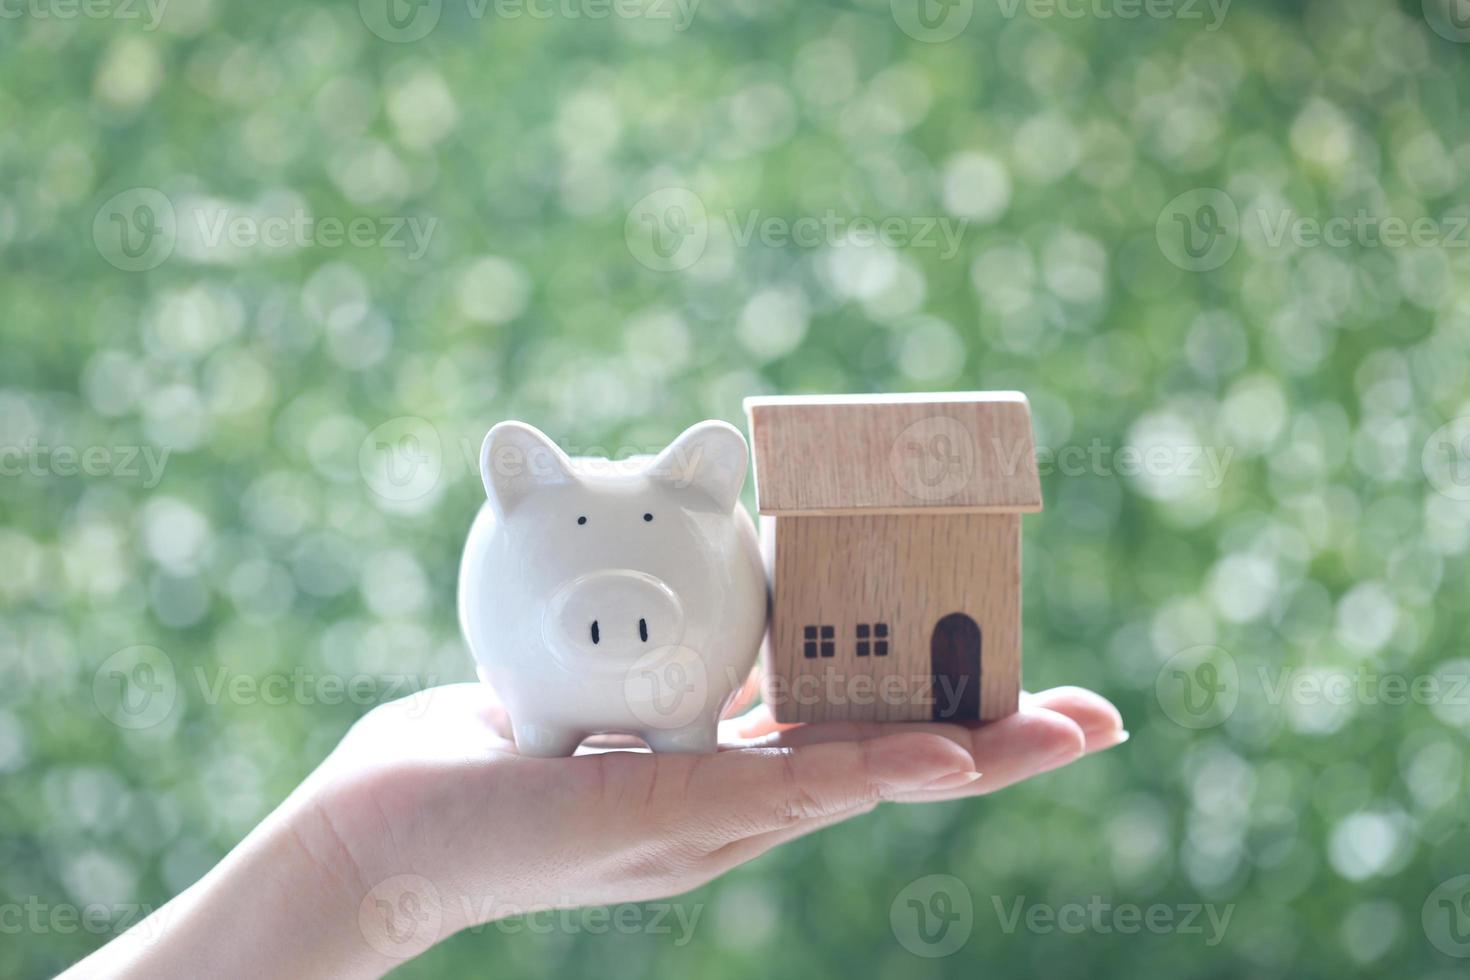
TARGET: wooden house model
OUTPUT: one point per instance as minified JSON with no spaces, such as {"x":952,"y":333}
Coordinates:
{"x":891,"y":529}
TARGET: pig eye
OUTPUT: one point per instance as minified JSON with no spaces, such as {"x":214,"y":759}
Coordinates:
{"x":648,"y":517}
{"x":582,"y":520}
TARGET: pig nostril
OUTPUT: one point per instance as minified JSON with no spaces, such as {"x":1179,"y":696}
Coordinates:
{"x":594,"y":632}
{"x":643,"y":630}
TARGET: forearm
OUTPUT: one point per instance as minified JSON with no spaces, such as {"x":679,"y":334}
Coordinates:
{"x":271,"y":907}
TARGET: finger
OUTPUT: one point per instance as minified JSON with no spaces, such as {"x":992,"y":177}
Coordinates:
{"x":1100,"y":723}
{"x":754,"y":724}
{"x":495,"y":714}
{"x":1033,"y":740}
{"x":738,"y":852}
{"x":613,"y":742}
{"x":747,"y":693}
{"x":738,"y":794}
{"x":1093,"y":713}
{"x":481,"y":701}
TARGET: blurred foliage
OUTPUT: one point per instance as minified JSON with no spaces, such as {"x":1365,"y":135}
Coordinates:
{"x":264,"y":549}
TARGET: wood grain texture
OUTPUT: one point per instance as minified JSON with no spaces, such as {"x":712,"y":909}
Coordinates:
{"x":944,"y":453}
{"x":905,"y":570}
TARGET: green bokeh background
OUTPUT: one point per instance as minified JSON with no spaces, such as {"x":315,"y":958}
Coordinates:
{"x":1333,"y":544}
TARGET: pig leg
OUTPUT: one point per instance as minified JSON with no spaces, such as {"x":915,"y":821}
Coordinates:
{"x":545,"y":741}
{"x":701,"y":737}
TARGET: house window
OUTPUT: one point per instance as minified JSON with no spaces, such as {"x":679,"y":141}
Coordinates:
{"x":872,"y":638}
{"x":810,"y":646}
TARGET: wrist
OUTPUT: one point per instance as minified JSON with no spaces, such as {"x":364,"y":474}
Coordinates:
{"x":280,"y":904}
{"x":363,"y":916}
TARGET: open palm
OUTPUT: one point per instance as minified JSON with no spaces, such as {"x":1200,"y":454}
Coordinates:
{"x":425,"y":820}
{"x":427,"y":807}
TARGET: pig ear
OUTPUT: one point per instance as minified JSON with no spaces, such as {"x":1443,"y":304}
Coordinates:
{"x":515,"y":460}
{"x":709,"y":458}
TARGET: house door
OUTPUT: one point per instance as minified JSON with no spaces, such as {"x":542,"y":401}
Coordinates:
{"x":954,"y":659}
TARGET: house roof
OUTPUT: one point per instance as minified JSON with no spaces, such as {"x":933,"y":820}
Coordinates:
{"x":936,"y":452}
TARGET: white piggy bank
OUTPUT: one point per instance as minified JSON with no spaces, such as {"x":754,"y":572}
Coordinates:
{"x":613,"y":597}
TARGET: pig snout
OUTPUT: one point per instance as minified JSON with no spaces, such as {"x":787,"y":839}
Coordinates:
{"x":613,"y":614}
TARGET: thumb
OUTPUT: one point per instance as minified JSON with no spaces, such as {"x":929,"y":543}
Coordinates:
{"x":739,"y":793}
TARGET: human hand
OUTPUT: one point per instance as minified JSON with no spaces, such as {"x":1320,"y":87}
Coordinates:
{"x":432,"y":785}
{"x":424,"y":820}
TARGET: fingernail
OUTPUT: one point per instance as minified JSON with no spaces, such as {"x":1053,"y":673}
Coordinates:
{"x":1107,"y":740}
{"x":908,"y":763}
{"x":953,"y":781}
